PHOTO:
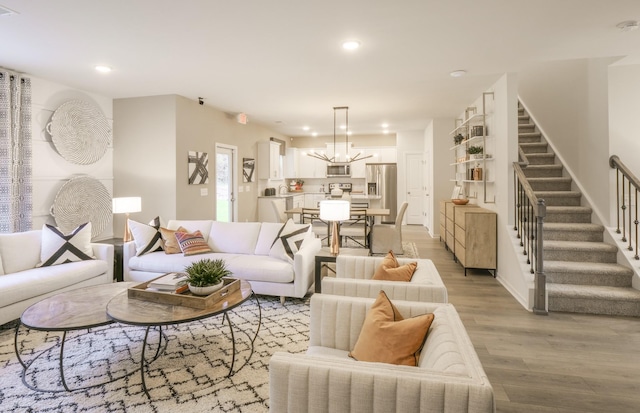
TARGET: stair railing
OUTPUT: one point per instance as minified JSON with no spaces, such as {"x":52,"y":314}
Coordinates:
{"x":529,"y":216}
{"x":627,"y":187}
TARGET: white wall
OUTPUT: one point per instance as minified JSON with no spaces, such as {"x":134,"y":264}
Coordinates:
{"x":569,"y":101}
{"x":437,"y":137}
{"x":624,"y":128}
{"x":50,"y":170}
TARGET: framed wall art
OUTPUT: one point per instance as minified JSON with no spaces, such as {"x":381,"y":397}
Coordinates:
{"x":248,"y":167}
{"x":198,"y":168}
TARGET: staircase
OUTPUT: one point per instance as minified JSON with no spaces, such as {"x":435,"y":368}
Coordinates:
{"x":583,"y":275}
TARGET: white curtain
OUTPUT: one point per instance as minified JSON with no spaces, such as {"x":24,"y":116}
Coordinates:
{"x":16,"y":202}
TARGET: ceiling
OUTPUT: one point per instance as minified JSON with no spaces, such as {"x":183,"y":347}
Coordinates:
{"x":281,"y":61}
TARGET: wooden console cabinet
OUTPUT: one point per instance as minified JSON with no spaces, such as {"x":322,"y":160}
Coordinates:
{"x":475,"y":234}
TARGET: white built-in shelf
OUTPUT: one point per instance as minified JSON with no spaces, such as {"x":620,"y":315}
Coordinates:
{"x":473,"y":119}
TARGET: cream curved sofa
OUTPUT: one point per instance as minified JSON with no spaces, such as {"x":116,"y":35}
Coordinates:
{"x":449,"y":377}
{"x":354,"y":278}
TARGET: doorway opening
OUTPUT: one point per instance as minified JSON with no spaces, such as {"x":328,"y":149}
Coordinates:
{"x":226,"y":183}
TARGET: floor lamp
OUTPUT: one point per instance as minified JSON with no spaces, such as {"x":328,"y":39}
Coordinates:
{"x":126,"y":206}
{"x":335,"y":211}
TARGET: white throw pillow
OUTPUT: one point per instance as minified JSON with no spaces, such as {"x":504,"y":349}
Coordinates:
{"x":147,"y":237}
{"x":58,"y":248}
{"x":289,"y":241}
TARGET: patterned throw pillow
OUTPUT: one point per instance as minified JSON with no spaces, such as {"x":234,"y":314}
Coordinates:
{"x":58,"y":248}
{"x":288,"y":241}
{"x":192,"y":243}
{"x":169,"y":240}
{"x":147,"y":237}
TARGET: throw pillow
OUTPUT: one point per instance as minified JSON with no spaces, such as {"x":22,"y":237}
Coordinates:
{"x":192,"y":243}
{"x":288,"y":241}
{"x":386,"y":337}
{"x":147,"y":237}
{"x":391,"y":270}
{"x":58,"y":248}
{"x":169,"y":240}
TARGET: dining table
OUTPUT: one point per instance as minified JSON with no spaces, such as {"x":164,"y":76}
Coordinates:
{"x":371,"y":212}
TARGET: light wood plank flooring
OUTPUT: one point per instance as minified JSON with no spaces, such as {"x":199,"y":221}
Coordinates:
{"x":557,"y":363}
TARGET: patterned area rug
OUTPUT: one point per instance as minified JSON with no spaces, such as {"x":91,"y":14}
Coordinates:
{"x":191,"y":375}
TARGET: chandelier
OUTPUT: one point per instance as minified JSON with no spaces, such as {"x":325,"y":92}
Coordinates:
{"x":323,"y":157}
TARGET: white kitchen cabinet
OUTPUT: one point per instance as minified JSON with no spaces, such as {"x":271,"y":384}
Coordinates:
{"x":270,"y":163}
{"x":291,"y":164}
{"x":309,"y":167}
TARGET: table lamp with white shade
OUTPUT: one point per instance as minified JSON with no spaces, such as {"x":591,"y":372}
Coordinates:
{"x":127,"y":205}
{"x":335,"y":211}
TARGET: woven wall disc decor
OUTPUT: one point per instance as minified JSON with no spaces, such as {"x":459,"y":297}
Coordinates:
{"x":82,"y":199}
{"x":80,"y":132}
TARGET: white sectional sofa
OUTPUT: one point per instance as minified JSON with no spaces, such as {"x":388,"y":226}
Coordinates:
{"x":22,"y":284}
{"x":354,"y":278}
{"x":245,"y":247}
{"x":449,"y":377}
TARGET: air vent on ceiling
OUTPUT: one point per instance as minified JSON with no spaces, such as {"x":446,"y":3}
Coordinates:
{"x":4,"y":11}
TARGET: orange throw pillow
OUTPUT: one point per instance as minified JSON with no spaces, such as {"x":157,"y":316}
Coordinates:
{"x":386,"y":337}
{"x":171,"y":245}
{"x":391,"y":270}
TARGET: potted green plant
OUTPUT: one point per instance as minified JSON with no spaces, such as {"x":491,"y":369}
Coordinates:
{"x":205,"y":276}
{"x":457,"y":140}
{"x":475,"y":152}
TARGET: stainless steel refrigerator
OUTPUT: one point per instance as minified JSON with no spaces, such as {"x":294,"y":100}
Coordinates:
{"x":381,"y":179}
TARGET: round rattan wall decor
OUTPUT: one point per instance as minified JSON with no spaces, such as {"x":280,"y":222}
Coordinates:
{"x":82,"y":199}
{"x":80,"y":132}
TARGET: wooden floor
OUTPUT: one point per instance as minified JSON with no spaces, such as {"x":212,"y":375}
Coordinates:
{"x":557,"y":363}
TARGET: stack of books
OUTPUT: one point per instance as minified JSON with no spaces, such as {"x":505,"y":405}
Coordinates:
{"x":169,"y":282}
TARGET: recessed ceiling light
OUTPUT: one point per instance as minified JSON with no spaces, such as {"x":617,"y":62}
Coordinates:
{"x":314,"y":134}
{"x":386,"y":131}
{"x":103,"y":69}
{"x":305,"y":128}
{"x":351,"y":45}
{"x":343,"y":127}
{"x":349,"y":133}
{"x":385,"y":125}
{"x":458,"y":73}
{"x":627,"y":26}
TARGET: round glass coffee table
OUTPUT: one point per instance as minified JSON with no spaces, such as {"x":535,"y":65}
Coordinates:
{"x":150,"y":314}
{"x":79,"y":309}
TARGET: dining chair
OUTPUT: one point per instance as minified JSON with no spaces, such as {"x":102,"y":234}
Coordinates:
{"x":385,"y":237}
{"x":319,"y":226}
{"x":356,"y":228}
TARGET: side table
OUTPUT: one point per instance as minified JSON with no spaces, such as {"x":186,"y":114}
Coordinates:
{"x":325,"y":256}
{"x":117,"y":257}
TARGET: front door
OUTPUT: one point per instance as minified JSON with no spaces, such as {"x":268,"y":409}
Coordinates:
{"x":226,"y":183}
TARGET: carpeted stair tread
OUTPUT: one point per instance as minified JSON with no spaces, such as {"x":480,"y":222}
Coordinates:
{"x":533,"y":147}
{"x":572,"y":227}
{"x":543,"y":171}
{"x":541,"y":158}
{"x":558,"y":209}
{"x":597,"y":268}
{"x":579,"y":246}
{"x":572,"y":231}
{"x":593,"y":273}
{"x":594,"y":291}
{"x":529,"y":134}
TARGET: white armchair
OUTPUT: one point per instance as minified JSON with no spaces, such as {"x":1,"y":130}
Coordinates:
{"x":354,"y":278}
{"x":449,"y":377}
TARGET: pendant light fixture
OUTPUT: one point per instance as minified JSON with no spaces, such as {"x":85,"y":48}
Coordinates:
{"x":323,"y":157}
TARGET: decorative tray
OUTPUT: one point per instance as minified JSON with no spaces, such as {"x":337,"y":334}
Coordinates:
{"x":186,"y":299}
